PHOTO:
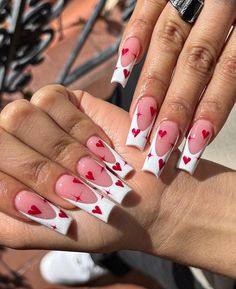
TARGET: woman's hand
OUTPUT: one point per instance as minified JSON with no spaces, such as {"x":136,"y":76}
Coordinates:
{"x":45,"y":145}
{"x":189,"y":219}
{"x":187,"y":81}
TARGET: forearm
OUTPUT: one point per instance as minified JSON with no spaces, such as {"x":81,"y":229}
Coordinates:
{"x":203,"y":217}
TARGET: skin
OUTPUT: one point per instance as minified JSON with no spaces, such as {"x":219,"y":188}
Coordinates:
{"x":177,"y":216}
{"x":183,"y":60}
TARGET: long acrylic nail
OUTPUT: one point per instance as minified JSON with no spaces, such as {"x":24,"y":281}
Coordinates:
{"x":102,"y":179}
{"x":197,"y":140}
{"x":110,"y":157}
{"x":42,"y":211}
{"x":142,"y":122}
{"x":162,"y":146}
{"x":82,"y":196}
{"x":126,"y":61}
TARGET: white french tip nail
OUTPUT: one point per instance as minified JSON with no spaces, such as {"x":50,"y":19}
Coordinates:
{"x":121,"y":73}
{"x":137,"y":137}
{"x":120,"y":167}
{"x":43,"y":212}
{"x":109,"y":156}
{"x":101,"y":209}
{"x":198,"y":137}
{"x":165,"y":140}
{"x":117,"y":191}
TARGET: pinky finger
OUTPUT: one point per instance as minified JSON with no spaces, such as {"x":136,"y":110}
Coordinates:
{"x":213,"y":109}
{"x":20,"y":202}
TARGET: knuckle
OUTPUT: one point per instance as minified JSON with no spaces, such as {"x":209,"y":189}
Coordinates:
{"x":213,"y":105}
{"x":47,"y":95}
{"x":180,"y":105}
{"x":62,"y":149}
{"x":228,"y":65}
{"x":139,"y":23}
{"x":171,"y":36}
{"x":157,"y":79}
{"x":156,"y":3}
{"x":201,"y":59}
{"x":38,"y":171}
{"x":80,"y":127}
{"x":13,"y":115}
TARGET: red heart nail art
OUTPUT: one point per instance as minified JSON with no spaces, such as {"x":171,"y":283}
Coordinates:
{"x":119,"y":184}
{"x":77,"y":181}
{"x":186,"y":159}
{"x":124,"y":51}
{"x":34,"y":210}
{"x":205,"y":133}
{"x":97,"y":210}
{"x":117,"y":167}
{"x":62,"y":214}
{"x":89,"y":176}
{"x":126,"y":73}
{"x":161,"y":164}
{"x":162,"y":133}
{"x":100,"y":144}
{"x":152,"y":110}
{"x":135,"y":132}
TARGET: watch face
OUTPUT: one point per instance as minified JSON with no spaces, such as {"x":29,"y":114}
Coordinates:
{"x":192,"y":10}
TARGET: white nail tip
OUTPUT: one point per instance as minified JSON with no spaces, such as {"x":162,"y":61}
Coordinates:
{"x":61,"y":223}
{"x":120,"y":166}
{"x":101,"y":209}
{"x":122,"y":73}
{"x":137,"y":137}
{"x":117,"y":191}
{"x":154,"y":163}
{"x":188,"y":161}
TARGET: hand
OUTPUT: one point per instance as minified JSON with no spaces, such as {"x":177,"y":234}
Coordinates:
{"x":175,"y":216}
{"x":184,"y":63}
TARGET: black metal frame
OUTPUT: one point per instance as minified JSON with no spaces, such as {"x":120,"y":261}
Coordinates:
{"x":28,"y":34}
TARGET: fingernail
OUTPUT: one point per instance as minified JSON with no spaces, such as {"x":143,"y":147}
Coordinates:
{"x":126,"y":61}
{"x":161,"y":148}
{"x":142,"y":122}
{"x":197,"y":140}
{"x":42,"y":211}
{"x":110,"y":157}
{"x":82,"y":196}
{"x":102,"y":179}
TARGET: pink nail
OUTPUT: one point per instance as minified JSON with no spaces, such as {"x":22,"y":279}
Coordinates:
{"x":162,"y":146}
{"x":102,"y":179}
{"x":42,"y":211}
{"x":126,"y":61}
{"x":197,"y":140}
{"x":142,"y":122}
{"x":84,"y":197}
{"x":110,"y":157}
{"x":130,"y":51}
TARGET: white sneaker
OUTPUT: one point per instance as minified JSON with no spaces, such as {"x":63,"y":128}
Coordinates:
{"x":69,"y":268}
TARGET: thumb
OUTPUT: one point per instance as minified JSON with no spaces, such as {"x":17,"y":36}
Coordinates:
{"x":113,"y":120}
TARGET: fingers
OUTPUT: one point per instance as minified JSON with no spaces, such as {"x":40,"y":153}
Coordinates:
{"x":213,"y":109}
{"x":49,"y":179}
{"x":51,"y":158}
{"x":136,"y":37}
{"x":196,"y":63}
{"x":194,"y":69}
{"x":17,"y":201}
{"x":80,"y":127}
{"x":167,"y":41}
